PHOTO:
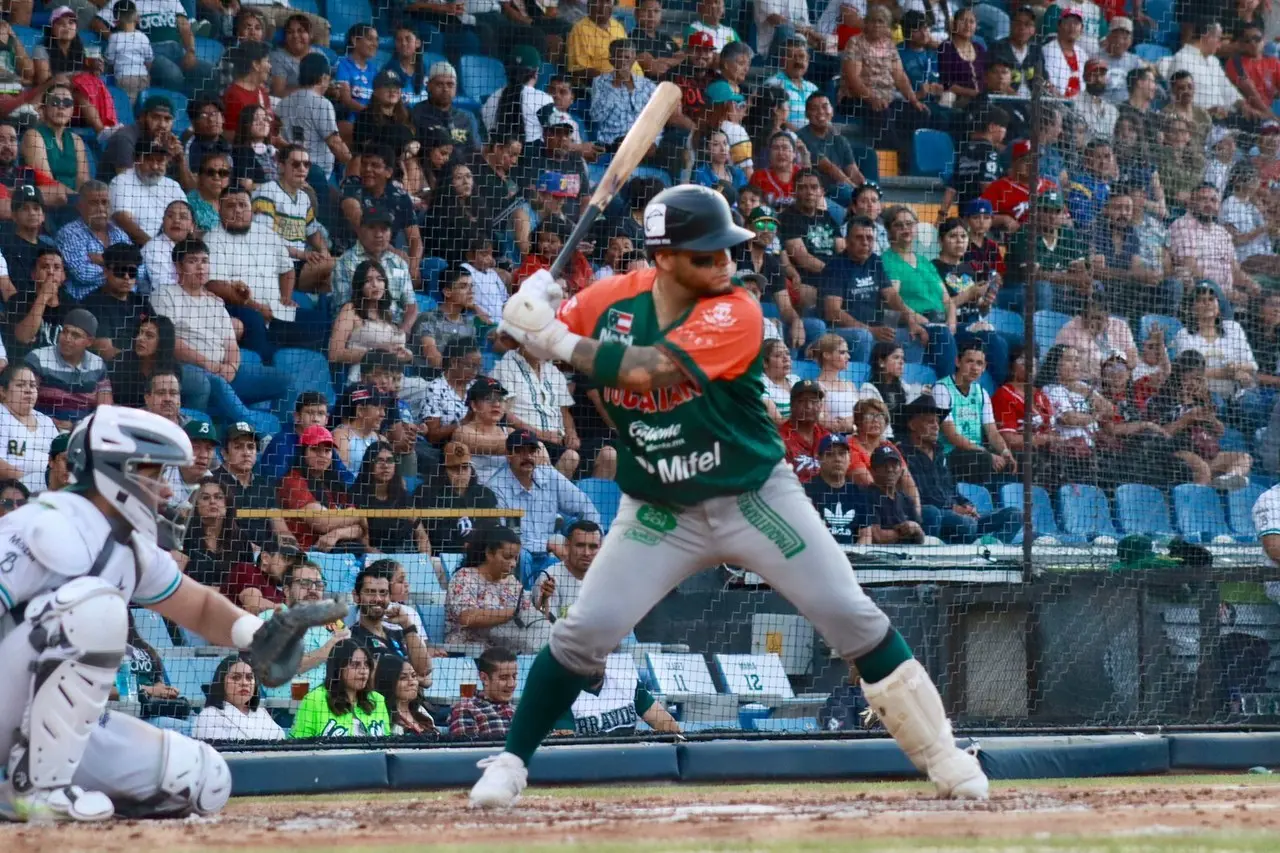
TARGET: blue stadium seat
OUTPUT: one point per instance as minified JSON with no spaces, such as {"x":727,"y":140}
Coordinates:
{"x":606,"y":495}
{"x":433,"y":622}
{"x":918,"y":374}
{"x":993,"y":23}
{"x":1142,"y":509}
{"x":977,"y":495}
{"x":430,"y":58}
{"x":452,"y":562}
{"x":1042,"y":519}
{"x":1086,"y":512}
{"x":932,"y":154}
{"x":29,"y":36}
{"x":338,"y":570}
{"x":1198,"y":510}
{"x":190,"y":674}
{"x":151,"y":628}
{"x":1172,"y":325}
{"x":124,"y":106}
{"x":803,"y":368}
{"x":418,"y":568}
{"x":1008,"y":323}
{"x":481,"y":76}
{"x":329,"y":53}
{"x":1152,"y":53}
{"x":1240,"y":511}
{"x":859,"y":373}
{"x":524,"y":663}
{"x":192,"y":640}
{"x":310,"y":6}
{"x":343,"y":15}
{"x":657,"y":174}
{"x":210,"y":50}
{"x":308,"y":370}
{"x":1047,"y":326}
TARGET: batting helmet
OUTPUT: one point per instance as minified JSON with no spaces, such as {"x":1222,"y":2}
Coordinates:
{"x":693,"y":219}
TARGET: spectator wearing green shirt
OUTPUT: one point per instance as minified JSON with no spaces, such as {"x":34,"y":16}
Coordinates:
{"x":1061,"y":270}
{"x":916,"y":292}
{"x":345,"y":705}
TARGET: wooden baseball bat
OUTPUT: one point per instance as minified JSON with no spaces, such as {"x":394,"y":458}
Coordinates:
{"x":635,"y":145}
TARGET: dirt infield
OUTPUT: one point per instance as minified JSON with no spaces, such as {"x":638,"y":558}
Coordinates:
{"x":1216,"y":813}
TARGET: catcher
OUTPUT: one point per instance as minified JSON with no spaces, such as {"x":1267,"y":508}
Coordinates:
{"x":70,"y":564}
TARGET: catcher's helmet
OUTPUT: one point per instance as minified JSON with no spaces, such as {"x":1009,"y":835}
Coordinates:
{"x":691,"y":218}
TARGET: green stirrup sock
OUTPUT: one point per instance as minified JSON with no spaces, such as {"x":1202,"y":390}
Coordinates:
{"x":880,"y":662}
{"x":549,"y":691}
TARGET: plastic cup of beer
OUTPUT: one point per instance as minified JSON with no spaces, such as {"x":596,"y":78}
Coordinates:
{"x":467,"y":690}
{"x":299,"y":689}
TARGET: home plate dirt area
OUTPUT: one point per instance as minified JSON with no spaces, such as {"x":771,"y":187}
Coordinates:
{"x":1159,"y":814}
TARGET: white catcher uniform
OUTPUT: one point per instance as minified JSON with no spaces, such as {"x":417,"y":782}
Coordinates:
{"x":50,"y":566}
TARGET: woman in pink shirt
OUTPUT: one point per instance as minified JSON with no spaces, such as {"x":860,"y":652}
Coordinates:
{"x":1095,"y":336}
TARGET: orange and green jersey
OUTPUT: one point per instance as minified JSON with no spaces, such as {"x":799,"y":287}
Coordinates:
{"x":707,"y":436}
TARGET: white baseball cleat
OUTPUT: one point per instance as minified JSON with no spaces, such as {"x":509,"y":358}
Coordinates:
{"x":505,"y":777}
{"x":71,"y":803}
{"x":959,"y":776}
{"x":909,"y":706}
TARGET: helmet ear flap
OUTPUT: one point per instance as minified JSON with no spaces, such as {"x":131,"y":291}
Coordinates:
{"x":79,"y":456}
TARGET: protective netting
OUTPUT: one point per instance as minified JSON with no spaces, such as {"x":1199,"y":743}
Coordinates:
{"x":292,"y":227}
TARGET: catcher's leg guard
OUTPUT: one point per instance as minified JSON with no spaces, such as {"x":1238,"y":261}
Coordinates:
{"x":150,"y":772}
{"x":78,"y":634}
{"x":909,"y":706}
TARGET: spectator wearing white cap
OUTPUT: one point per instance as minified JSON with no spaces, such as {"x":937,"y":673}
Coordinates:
{"x":438,"y":111}
{"x":1117,"y":55}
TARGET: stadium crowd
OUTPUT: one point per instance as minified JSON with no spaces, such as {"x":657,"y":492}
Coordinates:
{"x":291,"y":229}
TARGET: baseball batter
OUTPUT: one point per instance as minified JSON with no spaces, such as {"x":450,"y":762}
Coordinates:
{"x":70,"y":563}
{"x":676,"y":351}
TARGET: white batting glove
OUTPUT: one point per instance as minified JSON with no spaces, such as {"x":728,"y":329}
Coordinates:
{"x":532,"y":322}
{"x":542,"y":286}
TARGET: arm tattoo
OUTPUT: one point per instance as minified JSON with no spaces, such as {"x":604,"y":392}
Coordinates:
{"x":643,"y":368}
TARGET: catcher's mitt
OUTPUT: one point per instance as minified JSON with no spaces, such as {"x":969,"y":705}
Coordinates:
{"x":276,"y":649}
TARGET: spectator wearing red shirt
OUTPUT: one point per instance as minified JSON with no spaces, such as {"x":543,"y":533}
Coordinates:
{"x":801,"y":433}
{"x":487,"y":714}
{"x":260,"y":586}
{"x":1009,"y":406}
{"x":1255,"y":75}
{"x":252,"y":72}
{"x":778,"y":181}
{"x":550,"y":237}
{"x":313,"y":484}
{"x":1010,"y":196}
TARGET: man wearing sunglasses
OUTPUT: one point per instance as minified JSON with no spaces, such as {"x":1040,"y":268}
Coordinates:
{"x":675,"y":352}
{"x":117,"y":304}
